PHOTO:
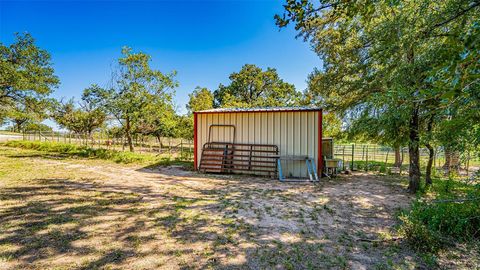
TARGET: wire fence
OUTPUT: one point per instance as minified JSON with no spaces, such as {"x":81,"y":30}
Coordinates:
{"x":367,"y":157}
{"x":175,"y":147}
{"x":371,"y":157}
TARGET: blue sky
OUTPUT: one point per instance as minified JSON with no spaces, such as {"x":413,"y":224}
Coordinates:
{"x":203,"y":41}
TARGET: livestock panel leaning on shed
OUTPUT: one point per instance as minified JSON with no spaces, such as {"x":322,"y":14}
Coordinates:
{"x":243,"y":133}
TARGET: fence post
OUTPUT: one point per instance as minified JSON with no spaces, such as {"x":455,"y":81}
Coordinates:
{"x":159,"y":144}
{"x":141,"y":143}
{"x":181,"y":147}
{"x":353,"y":156}
{"x":169,"y":145}
{"x":366,"y":162}
{"x":386,"y":160}
{"x":363,"y":152}
{"x":190,"y":149}
{"x":343,"y":157}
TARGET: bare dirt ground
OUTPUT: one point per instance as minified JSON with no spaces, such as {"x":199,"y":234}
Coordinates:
{"x":58,"y":213}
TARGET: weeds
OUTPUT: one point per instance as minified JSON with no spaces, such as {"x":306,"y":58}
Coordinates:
{"x":452,"y":216}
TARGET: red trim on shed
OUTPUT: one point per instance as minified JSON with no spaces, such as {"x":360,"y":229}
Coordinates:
{"x":320,"y":135}
{"x":195,"y":158}
{"x":320,"y":131}
{"x":261,"y":110}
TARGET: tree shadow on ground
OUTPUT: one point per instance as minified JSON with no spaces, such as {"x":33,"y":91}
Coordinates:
{"x":184,"y":220}
{"x":284,"y":225}
{"x":44,"y":220}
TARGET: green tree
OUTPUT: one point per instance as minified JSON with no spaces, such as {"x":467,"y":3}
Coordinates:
{"x":158,"y":118}
{"x":457,"y":83}
{"x":25,"y":72}
{"x":386,"y":126}
{"x":139,"y":94}
{"x":200,"y":99}
{"x":35,"y":126}
{"x":29,"y":112}
{"x":331,"y":125}
{"x":378,"y":54}
{"x":184,"y":127}
{"x":253,"y":87}
{"x":84,"y":118}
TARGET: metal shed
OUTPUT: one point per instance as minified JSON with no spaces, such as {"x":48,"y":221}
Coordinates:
{"x":293,"y":131}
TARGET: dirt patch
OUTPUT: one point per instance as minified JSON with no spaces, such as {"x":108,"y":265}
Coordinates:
{"x":79,"y":215}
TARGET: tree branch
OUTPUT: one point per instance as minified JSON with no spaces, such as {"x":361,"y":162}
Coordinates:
{"x":459,"y":14}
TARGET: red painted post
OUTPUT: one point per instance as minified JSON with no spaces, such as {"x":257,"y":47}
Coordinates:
{"x":195,"y":159}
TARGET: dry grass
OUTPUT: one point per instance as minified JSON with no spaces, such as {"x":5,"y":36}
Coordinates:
{"x":58,"y":213}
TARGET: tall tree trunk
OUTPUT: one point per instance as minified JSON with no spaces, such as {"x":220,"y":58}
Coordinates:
{"x":413,"y":151}
{"x":428,"y":171}
{"x":398,"y":157}
{"x":128,"y":134}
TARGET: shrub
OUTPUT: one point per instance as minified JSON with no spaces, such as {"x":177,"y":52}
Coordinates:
{"x":428,"y":226}
{"x":372,"y":166}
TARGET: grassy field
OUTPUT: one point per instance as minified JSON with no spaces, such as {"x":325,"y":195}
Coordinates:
{"x":66,"y":212}
{"x":72,"y":150}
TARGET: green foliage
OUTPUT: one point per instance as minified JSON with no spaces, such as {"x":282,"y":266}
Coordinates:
{"x":31,"y":111}
{"x":389,"y":65}
{"x":390,"y":127}
{"x":26,"y":79}
{"x":372,"y":166}
{"x":253,"y":87}
{"x":454,"y":215}
{"x":86,"y":118}
{"x":26,"y":71}
{"x":200,"y":99}
{"x":331,"y":125}
{"x":33,"y":126}
{"x":114,"y":132}
{"x":141,"y":97}
{"x":184,"y":127}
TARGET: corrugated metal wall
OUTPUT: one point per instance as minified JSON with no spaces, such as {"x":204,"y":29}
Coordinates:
{"x":294,"y":132}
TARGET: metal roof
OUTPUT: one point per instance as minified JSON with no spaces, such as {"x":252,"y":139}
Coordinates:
{"x":261,"y":109}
